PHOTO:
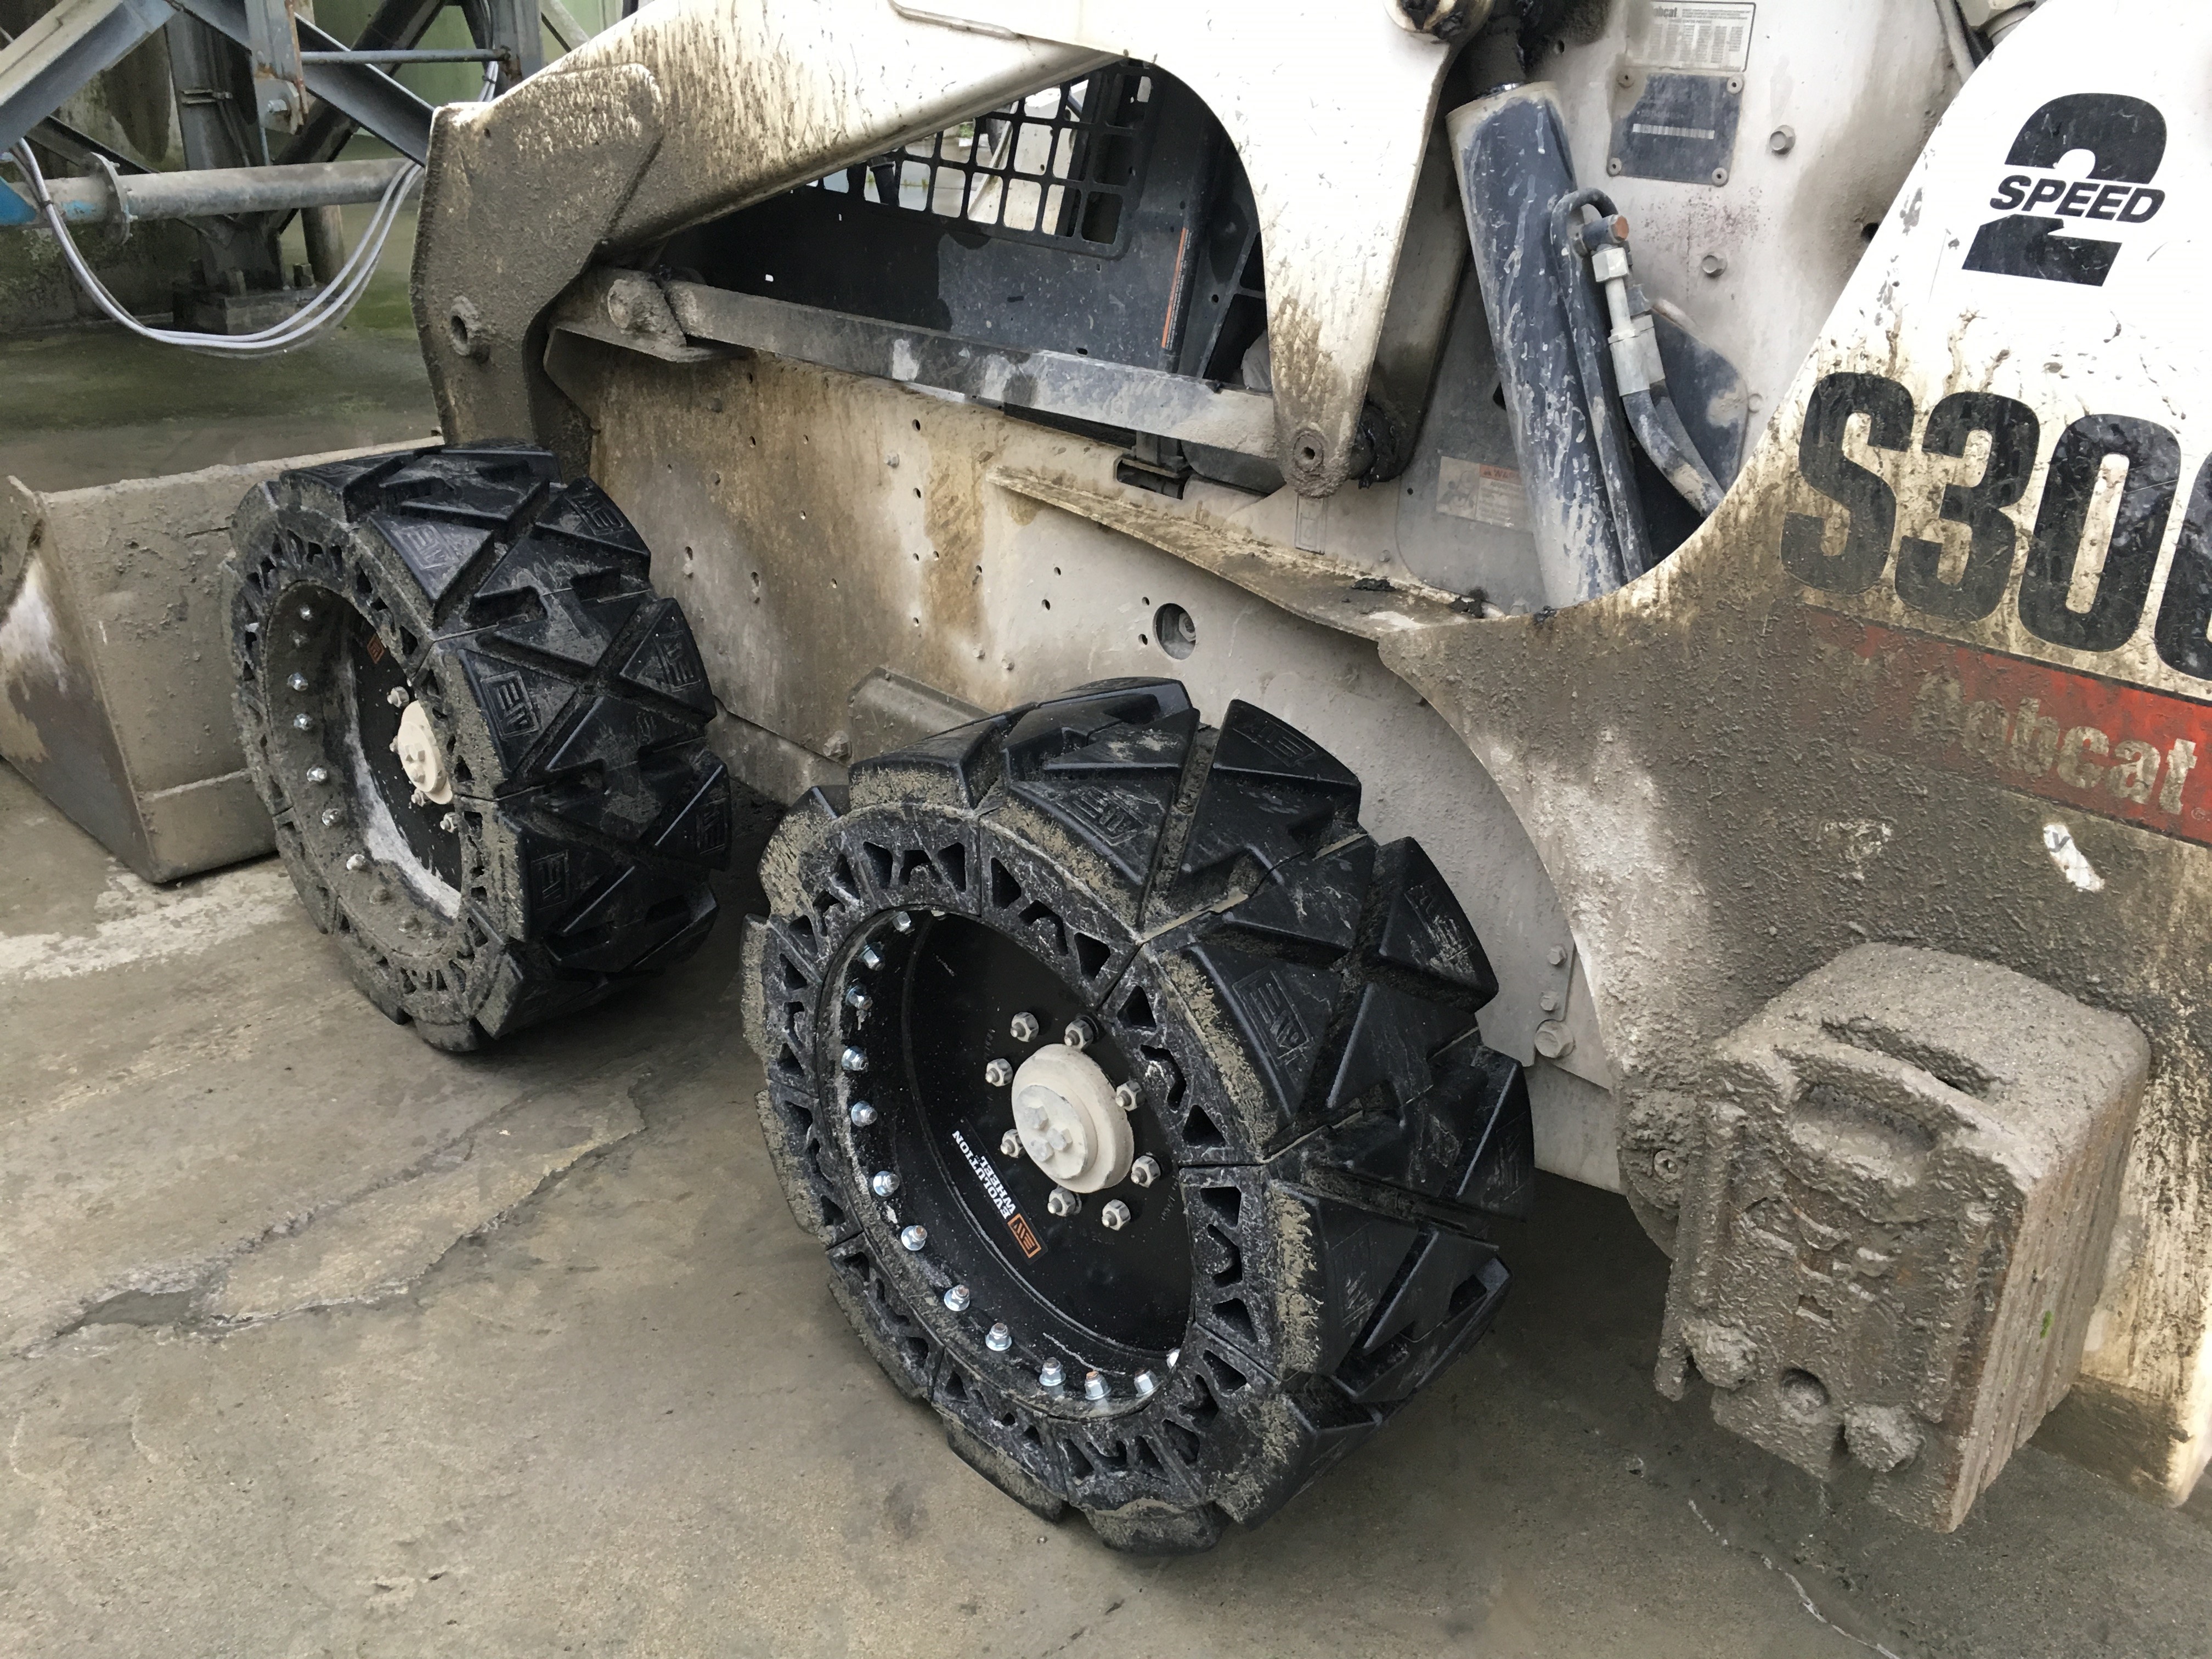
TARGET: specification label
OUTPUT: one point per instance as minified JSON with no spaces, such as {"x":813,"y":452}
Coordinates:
{"x":1696,"y":34}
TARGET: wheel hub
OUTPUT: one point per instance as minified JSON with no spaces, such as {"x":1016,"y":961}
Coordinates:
{"x":420,"y":756}
{"x":1069,"y":1122}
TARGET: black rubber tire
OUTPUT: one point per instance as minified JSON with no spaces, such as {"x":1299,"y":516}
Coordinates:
{"x":568,"y":700}
{"x":1303,"y":1002}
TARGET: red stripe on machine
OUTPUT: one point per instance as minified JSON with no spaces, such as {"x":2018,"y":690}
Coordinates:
{"x":2117,"y":751}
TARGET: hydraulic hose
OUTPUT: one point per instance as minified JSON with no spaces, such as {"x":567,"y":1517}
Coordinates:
{"x":1615,"y":467}
{"x":1658,"y":426}
{"x":1639,"y":375}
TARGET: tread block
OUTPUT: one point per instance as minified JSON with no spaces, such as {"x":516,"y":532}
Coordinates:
{"x":569,"y":627}
{"x":521,"y":703}
{"x":705,"y":907}
{"x":1403,"y":1366}
{"x":449,"y":480}
{"x":1421,"y":1300}
{"x":638,"y":911}
{"x":957,"y":767}
{"x":1271,"y":794}
{"x":587,"y":513}
{"x":1120,"y":818}
{"x":665,"y":661}
{"x":1500,"y":1175}
{"x":632,"y":803}
{"x":1053,"y":728}
{"x":1315,"y":901}
{"x":354,"y":483}
{"x":1468,"y":1141}
{"x":700,"y":831}
{"x":1283,"y":1011}
{"x":611,"y":732}
{"x":1160,"y":745}
{"x":1393,"y":1034}
{"x":1361,"y":1254}
{"x":434,"y":551}
{"x":1425,"y":930}
{"x":1255,"y":743}
{"x":559,"y":878}
{"x":1111,"y":786}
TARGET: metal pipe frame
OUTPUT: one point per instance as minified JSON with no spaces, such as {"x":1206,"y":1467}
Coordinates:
{"x":220,"y":192}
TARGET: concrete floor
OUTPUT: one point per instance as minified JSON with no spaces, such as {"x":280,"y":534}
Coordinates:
{"x":319,"y":1341}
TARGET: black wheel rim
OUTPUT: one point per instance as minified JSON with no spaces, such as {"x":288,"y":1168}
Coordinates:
{"x":942,"y":994}
{"x":328,"y":664}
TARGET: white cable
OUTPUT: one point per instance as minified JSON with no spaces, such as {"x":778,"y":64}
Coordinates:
{"x":332,"y":305}
{"x":328,"y":309}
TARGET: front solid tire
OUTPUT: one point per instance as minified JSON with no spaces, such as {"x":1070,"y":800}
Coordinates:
{"x":1294,"y":1006}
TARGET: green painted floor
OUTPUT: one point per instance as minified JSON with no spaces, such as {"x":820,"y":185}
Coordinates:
{"x":90,"y":406}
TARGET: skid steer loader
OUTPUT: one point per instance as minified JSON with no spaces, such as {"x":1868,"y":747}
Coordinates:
{"x":1356,"y":600}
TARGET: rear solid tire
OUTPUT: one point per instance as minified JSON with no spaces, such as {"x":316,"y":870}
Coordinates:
{"x":1296,"y":1006}
{"x":568,"y":702}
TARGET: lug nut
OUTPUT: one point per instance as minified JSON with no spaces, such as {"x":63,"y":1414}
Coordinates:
{"x":356,"y":861}
{"x":319,"y":775}
{"x":306,"y":613}
{"x":884,"y":1183}
{"x":303,"y":723}
{"x":1146,"y":1383}
{"x":1080,"y":1033}
{"x":298,"y":681}
{"x":857,"y":1000}
{"x":1052,"y":1374}
{"x":1094,"y":1386}
{"x":957,"y":1298}
{"x":998,"y":1339}
{"x":1023,"y":1027}
{"x":331,"y":815}
{"x":1125,"y":1097}
{"x":902,"y":922}
{"x":861,"y":1112}
{"x":397,"y":696}
{"x":1115,"y":1216}
{"x":871,"y":957}
{"x":915,"y":1238}
{"x":1146,"y":1171}
{"x":418,"y":799}
{"x":1063,"y":1202}
{"x":852,"y":1060}
{"x":1010,"y":1144}
{"x":998,"y":1073}
{"x":449,"y":823}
